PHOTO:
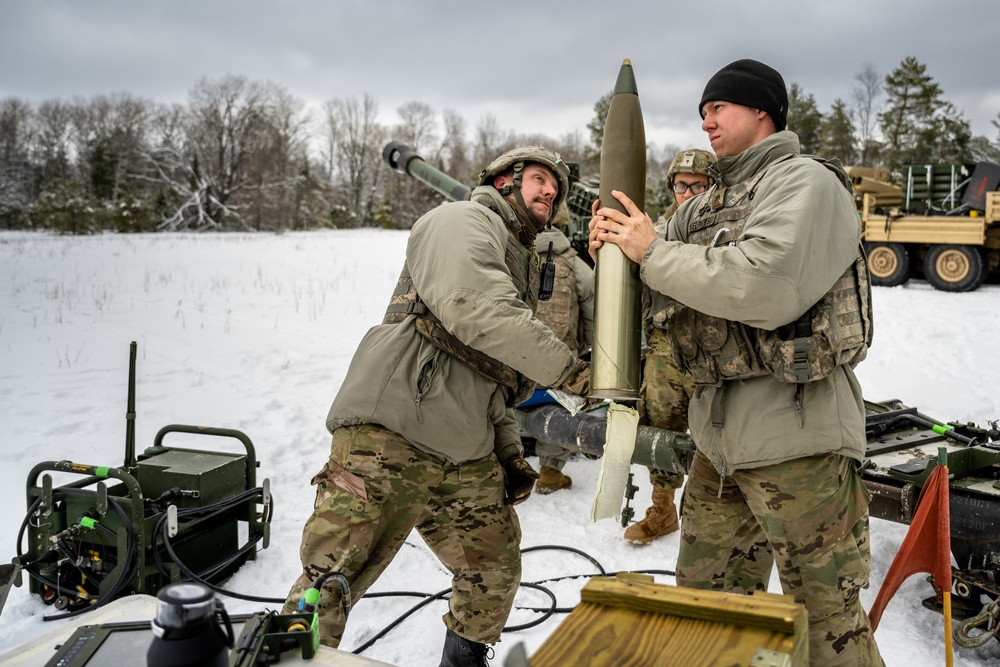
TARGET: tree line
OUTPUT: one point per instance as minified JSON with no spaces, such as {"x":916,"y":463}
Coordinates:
{"x":246,"y":155}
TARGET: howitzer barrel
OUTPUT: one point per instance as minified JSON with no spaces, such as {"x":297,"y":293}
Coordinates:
{"x":404,"y":159}
{"x":654,"y":447}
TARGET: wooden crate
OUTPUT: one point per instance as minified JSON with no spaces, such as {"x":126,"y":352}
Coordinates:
{"x":629,"y":620}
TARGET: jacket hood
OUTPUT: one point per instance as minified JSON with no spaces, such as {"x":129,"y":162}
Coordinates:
{"x":560,"y":243}
{"x":490,"y":197}
{"x":740,"y":167}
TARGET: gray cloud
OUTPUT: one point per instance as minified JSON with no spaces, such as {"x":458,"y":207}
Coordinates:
{"x":539,"y":67}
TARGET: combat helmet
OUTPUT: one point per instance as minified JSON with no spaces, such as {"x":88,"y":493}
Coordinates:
{"x":517,"y":158}
{"x":694,"y":161}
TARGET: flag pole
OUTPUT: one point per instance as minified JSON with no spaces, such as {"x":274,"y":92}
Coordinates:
{"x":946,"y":594}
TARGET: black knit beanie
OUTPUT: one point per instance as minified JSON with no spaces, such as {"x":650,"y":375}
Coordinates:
{"x":752,"y":84}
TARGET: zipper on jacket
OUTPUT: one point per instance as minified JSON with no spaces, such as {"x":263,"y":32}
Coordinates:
{"x":427,"y":372}
{"x":800,"y":389}
{"x":724,"y":473}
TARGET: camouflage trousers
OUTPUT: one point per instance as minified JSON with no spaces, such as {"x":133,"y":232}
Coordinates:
{"x":373,"y":491}
{"x":812,"y":513}
{"x":551,"y":455}
{"x":666,"y":392}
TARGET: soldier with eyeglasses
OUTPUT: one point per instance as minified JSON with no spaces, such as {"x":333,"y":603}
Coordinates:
{"x":666,"y":390}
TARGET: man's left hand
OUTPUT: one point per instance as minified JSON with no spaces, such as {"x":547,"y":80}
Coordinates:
{"x":632,"y":232}
{"x":518,"y":478}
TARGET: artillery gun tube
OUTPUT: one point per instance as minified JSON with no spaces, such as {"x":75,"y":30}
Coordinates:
{"x":617,"y":304}
{"x":654,"y":447}
{"x":404,"y":159}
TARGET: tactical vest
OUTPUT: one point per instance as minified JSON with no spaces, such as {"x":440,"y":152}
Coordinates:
{"x":561,"y":312}
{"x":524,"y":270}
{"x":836,"y":330}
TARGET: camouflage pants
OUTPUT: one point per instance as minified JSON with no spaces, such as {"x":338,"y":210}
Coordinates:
{"x":666,"y":392}
{"x":551,"y":455}
{"x":373,"y":491}
{"x":813,"y":513}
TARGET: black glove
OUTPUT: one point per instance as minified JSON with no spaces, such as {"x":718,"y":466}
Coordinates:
{"x":518,"y":479}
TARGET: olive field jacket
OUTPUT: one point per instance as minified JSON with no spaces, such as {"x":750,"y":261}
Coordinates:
{"x":399,"y":379}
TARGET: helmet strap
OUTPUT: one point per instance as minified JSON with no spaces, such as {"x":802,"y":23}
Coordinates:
{"x":529,"y":226}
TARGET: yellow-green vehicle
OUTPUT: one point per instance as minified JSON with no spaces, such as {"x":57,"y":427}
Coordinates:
{"x":942,"y":222}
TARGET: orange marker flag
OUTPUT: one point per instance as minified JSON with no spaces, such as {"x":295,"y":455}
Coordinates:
{"x":926,"y":548}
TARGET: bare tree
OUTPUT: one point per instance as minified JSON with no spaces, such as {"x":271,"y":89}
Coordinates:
{"x":278,"y":167}
{"x":418,"y":129}
{"x":54,"y":150}
{"x":571,"y":146}
{"x":358,"y":161}
{"x":405,"y":197}
{"x":215,"y":174}
{"x":455,"y":154}
{"x":16,"y":173}
{"x":332,"y":128}
{"x":865,"y":109}
{"x":490,"y":141}
{"x":109,"y":135}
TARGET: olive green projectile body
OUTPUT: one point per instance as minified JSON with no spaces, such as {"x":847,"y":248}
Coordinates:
{"x":617,"y":307}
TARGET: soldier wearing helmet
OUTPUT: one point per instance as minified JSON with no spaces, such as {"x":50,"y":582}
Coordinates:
{"x":688,"y":176}
{"x":424,"y":434}
{"x":569,"y":312}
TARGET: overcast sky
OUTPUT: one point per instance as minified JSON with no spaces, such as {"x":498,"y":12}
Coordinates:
{"x":538,"y":67}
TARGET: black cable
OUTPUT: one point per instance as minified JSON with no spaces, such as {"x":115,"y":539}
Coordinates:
{"x":24,"y":526}
{"x":420,"y":605}
{"x":556,"y":547}
{"x":566,"y":610}
{"x":162,"y":529}
{"x":546,"y":612}
{"x":123,"y":577}
{"x":129,"y":567}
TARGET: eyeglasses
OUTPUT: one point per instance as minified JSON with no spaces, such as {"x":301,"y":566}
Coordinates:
{"x":695,"y":188}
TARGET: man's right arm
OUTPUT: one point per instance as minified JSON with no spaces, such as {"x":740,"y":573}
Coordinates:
{"x":801,"y":236}
{"x":456,"y":259}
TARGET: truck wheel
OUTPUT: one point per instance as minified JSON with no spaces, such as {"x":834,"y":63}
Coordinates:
{"x":888,"y":263}
{"x":955,"y":268}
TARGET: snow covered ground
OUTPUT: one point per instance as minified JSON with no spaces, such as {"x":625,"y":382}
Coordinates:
{"x":255,"y":332}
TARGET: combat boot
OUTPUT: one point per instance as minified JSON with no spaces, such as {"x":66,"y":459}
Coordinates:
{"x":552,"y":479}
{"x":462,"y":652}
{"x":660,"y":519}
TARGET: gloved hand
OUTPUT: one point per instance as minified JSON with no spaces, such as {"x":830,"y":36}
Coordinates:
{"x":518,"y":479}
{"x":578,"y":381}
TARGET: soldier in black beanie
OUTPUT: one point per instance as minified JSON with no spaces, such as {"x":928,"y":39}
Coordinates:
{"x":752,"y":84}
{"x":743,"y":83}
{"x":738,"y":269}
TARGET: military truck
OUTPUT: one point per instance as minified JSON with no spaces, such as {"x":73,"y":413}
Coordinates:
{"x":939,"y":221}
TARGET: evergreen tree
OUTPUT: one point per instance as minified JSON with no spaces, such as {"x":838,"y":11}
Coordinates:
{"x":804,"y":119}
{"x":837,"y":133}
{"x":952,"y":136}
{"x":596,"y":126}
{"x":910,"y":121}
{"x":983,"y":148}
